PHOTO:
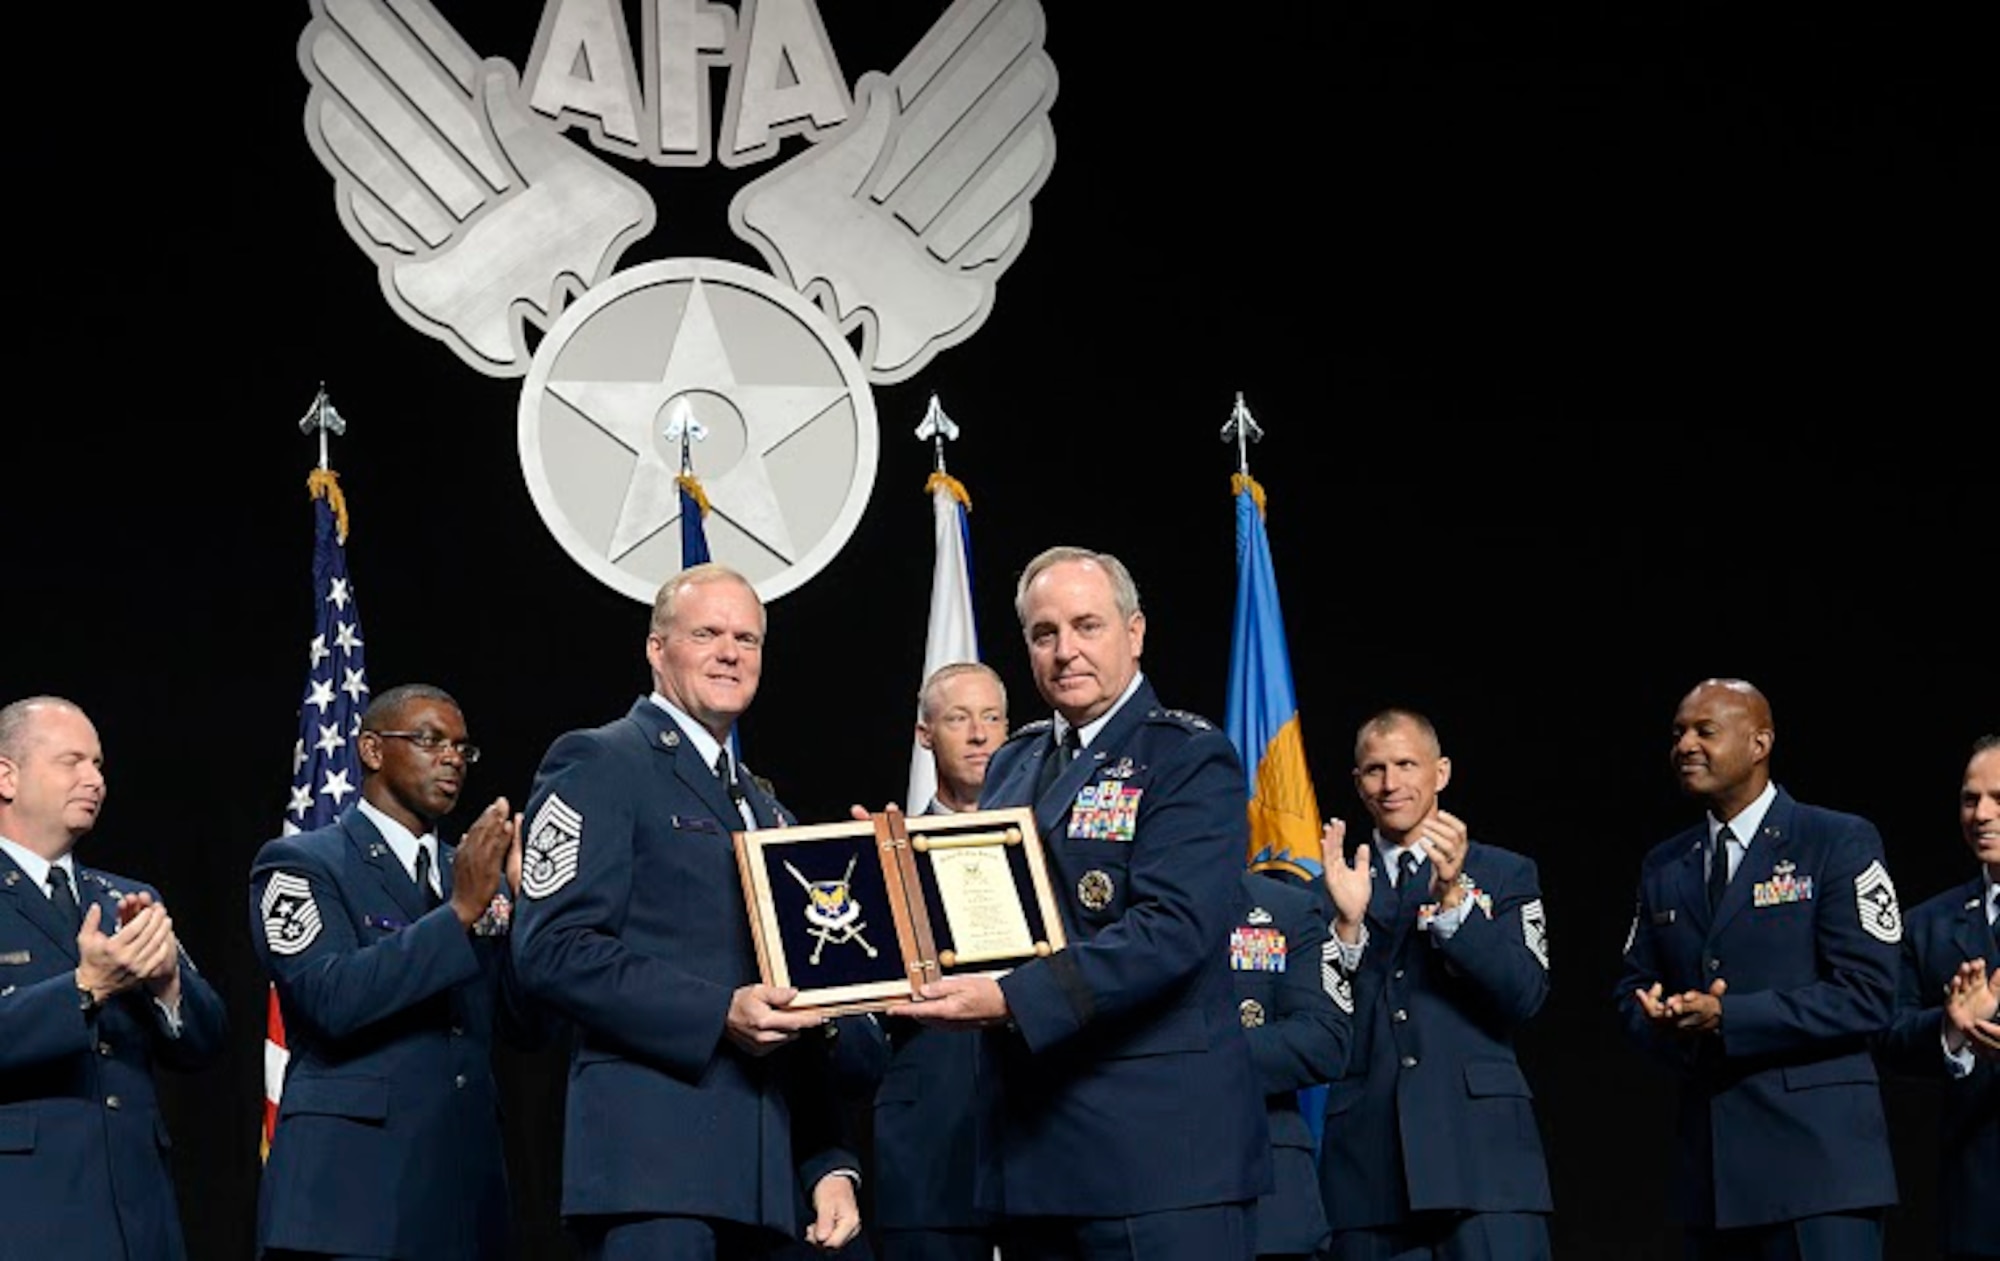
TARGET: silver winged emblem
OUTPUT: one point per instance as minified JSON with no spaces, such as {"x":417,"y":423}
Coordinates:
{"x":483,"y":218}
{"x":477,"y":214}
{"x":902,"y":220}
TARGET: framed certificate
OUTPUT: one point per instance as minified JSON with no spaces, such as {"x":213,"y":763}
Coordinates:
{"x":855,"y":915}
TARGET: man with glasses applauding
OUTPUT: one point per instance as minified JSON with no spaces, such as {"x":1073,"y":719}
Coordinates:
{"x":388,"y":950}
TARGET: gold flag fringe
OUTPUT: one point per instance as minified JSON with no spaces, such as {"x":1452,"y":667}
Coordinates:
{"x":324,"y":483}
{"x":692,"y":485}
{"x":1239,"y":482}
{"x":950,"y":483}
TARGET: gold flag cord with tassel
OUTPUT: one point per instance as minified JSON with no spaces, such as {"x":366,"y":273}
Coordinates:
{"x":1239,"y":482}
{"x":946,"y":481}
{"x":324,"y":483}
{"x":692,"y":485}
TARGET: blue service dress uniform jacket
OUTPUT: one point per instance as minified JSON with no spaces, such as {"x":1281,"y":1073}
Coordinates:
{"x":388,"y":1138}
{"x":1299,"y":1036}
{"x":1126,"y":1082}
{"x":632,"y":923}
{"x":1433,"y":1112}
{"x":1942,"y":933}
{"x":84,"y":1151}
{"x":1781,"y":1111}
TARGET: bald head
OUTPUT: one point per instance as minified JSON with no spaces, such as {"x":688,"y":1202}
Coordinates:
{"x":1723,"y":735}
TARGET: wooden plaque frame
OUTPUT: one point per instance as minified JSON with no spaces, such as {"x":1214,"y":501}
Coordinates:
{"x":808,"y":891}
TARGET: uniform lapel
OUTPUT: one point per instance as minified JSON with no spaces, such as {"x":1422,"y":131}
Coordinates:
{"x":383,"y":865}
{"x":1774,"y":840}
{"x":665,"y":737}
{"x":1054,"y":805}
{"x":35,"y":907}
{"x":1690,"y":888}
{"x":1971,"y":934}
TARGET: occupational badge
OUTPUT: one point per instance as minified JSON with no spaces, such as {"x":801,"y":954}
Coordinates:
{"x":549,"y":856}
{"x":1251,"y":1012}
{"x":833,"y":916}
{"x":1094,"y":889}
{"x":291,"y":917}
{"x":1258,"y":915}
{"x":1875,"y":899}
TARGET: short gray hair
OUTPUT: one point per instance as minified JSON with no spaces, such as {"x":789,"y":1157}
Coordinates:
{"x":1124,"y":592}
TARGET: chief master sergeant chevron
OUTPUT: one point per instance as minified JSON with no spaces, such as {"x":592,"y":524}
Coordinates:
{"x":1131,"y":1124}
{"x":689,"y":1094}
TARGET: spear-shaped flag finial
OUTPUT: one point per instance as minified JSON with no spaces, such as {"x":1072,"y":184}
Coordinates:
{"x":939,"y":428}
{"x":683,"y":427}
{"x":322,"y":417}
{"x":1242,"y":429}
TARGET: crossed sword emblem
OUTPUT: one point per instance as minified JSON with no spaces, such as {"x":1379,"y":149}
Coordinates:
{"x":831,"y":911}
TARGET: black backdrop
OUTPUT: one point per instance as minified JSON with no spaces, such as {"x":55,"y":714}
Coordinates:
{"x":1601,"y":348}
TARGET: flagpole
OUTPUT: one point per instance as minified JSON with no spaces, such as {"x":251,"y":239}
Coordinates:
{"x":949,"y":635}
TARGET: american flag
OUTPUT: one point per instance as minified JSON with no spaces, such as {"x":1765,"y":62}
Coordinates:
{"x":325,"y":771}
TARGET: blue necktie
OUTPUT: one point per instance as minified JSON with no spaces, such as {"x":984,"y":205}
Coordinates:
{"x":1718,"y":868}
{"x":424,"y":890}
{"x":64,"y":899}
{"x":1406,"y":876}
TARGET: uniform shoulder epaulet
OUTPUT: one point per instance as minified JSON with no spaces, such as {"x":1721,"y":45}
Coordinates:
{"x":1038,"y":727}
{"x":1180,"y":718}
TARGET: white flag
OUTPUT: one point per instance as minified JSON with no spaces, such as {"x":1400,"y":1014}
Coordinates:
{"x":951,"y":636}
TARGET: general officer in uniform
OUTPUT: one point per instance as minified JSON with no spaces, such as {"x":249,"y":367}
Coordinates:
{"x":1130,"y":1123}
{"x":1760,"y":964}
{"x":1944,"y":1030}
{"x":697,"y":1117}
{"x":94,"y":991}
{"x":1298,"y":1017}
{"x":388,"y":953}
{"x":1431,"y":1146}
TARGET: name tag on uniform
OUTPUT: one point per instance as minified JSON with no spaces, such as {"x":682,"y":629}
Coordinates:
{"x":1663,"y":918}
{"x":15,"y":957}
{"x":384,"y":923}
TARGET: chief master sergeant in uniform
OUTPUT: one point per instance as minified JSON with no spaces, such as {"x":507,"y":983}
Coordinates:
{"x":94,"y":989}
{"x":1761,"y":962}
{"x":1131,"y":1126}
{"x":689,"y":1092}
{"x":389,"y":956}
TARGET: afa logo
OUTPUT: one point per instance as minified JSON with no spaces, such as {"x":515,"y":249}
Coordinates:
{"x":457,"y":177}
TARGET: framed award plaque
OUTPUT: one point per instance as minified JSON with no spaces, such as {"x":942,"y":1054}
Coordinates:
{"x":856,"y":915}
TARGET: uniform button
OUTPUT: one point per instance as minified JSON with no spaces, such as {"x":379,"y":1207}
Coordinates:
{"x":457,"y":1031}
{"x":104,"y":1049}
{"x":1399,"y":1015}
{"x":1715,"y":965}
{"x":1398,"y":974}
{"x":112,"y":1102}
{"x":1409,"y":1061}
{"x":459,"y":1081}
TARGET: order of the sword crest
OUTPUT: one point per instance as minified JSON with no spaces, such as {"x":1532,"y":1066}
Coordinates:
{"x":791,"y":439}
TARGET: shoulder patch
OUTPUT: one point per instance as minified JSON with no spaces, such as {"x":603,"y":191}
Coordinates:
{"x":549,"y":855}
{"x":1875,"y":899}
{"x":291,"y":917}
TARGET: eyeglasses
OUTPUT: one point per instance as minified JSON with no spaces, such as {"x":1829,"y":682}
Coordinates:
{"x":433,"y":743}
